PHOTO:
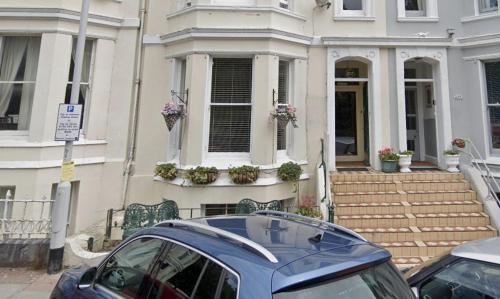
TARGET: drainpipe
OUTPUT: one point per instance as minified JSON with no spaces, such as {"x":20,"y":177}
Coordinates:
{"x":135,"y":104}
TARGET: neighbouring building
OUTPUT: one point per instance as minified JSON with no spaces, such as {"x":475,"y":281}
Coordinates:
{"x":363,"y":74}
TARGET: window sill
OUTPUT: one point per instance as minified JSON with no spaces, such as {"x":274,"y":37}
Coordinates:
{"x":418,"y":19}
{"x":16,"y":133}
{"x":193,"y":8}
{"x":225,"y":164}
{"x":354,"y":18}
{"x":225,"y":181}
{"x":483,"y":16}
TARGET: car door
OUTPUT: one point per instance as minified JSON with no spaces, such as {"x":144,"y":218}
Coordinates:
{"x":127,"y":272}
{"x":182,"y":272}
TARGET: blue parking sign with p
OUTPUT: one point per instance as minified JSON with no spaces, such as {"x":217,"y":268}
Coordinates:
{"x":71,"y":108}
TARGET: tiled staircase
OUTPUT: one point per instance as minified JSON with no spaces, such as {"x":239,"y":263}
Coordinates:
{"x":415,"y":216}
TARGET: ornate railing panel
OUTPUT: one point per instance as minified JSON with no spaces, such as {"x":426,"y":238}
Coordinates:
{"x":248,"y":206}
{"x":139,"y":216}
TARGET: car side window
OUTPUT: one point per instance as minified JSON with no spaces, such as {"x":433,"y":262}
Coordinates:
{"x":127,"y":272}
{"x":464,"y":279}
{"x":184,"y":273}
{"x":229,"y":286}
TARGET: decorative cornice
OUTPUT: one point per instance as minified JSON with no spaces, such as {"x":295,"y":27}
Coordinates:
{"x":218,"y":33}
{"x":387,"y":42}
{"x":66,"y":15}
{"x":479,"y":40}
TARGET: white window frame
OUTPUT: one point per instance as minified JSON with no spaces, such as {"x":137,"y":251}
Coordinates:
{"x":14,"y":132}
{"x":480,"y":11}
{"x":225,"y":158}
{"x":285,"y":4}
{"x":88,"y":94}
{"x":365,"y":14}
{"x":430,"y":13}
{"x":179,"y":70}
{"x":283,"y":154}
{"x":487,"y":105}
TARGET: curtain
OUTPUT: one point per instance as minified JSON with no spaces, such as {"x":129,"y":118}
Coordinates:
{"x":13,"y":52}
{"x":32,"y":54}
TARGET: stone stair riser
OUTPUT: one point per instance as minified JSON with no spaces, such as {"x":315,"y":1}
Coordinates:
{"x":396,"y":177}
{"x":368,"y":187}
{"x":428,"y":236}
{"x":413,"y":209}
{"x":436,"y":186}
{"x":366,"y":198}
{"x":456,"y":208}
{"x":417,"y":251}
{"x":452,"y":221}
{"x":382,"y":223}
{"x":441,"y":196}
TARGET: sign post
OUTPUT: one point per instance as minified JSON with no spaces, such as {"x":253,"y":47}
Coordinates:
{"x":68,"y":130}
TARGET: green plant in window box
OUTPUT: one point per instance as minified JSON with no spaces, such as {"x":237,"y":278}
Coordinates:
{"x":289,"y":172}
{"x":244,"y":174}
{"x":166,"y":171}
{"x":203,"y":175}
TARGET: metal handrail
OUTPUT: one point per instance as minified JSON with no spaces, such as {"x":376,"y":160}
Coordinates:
{"x":480,"y":165}
{"x":257,"y":247}
{"x":312,"y":221}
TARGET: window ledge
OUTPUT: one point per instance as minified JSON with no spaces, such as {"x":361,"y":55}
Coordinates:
{"x":418,"y":19}
{"x":225,"y":164}
{"x":279,"y":10}
{"x":13,"y":143}
{"x":225,"y":181}
{"x":483,"y":16}
{"x":354,"y":18}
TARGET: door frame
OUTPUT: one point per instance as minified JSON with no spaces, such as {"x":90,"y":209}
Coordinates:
{"x":360,"y":130}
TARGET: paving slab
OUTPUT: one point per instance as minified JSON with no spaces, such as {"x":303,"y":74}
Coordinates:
{"x":26,"y":283}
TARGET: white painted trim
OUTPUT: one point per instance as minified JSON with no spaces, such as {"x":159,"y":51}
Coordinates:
{"x":49,"y":163}
{"x":58,"y":14}
{"x":431,"y":12}
{"x":441,"y":91}
{"x":366,"y":14}
{"x":482,"y":57}
{"x":483,"y":91}
{"x":259,"y":9}
{"x":417,"y":20}
{"x":371,"y":56}
{"x":24,"y":143}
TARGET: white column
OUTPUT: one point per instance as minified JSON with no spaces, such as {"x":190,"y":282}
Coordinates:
{"x":375,"y":107}
{"x":443,"y":106}
{"x":330,"y":134}
{"x":401,"y":56}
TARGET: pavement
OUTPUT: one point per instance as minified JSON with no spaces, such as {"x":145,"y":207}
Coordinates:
{"x":26,"y":284}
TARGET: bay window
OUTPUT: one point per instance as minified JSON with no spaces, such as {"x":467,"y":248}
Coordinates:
{"x":492,"y":75}
{"x":283,"y":100}
{"x":230,"y":105}
{"x":486,"y":6}
{"x":18,"y":68}
{"x":85,"y":79}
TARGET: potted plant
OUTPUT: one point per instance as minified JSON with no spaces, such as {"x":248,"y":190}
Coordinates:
{"x":405,"y":161}
{"x":203,"y":175}
{"x":308,"y":208}
{"x":389,"y":159}
{"x":452,"y":160}
{"x":244,"y":174}
{"x":166,"y":171}
{"x":285,"y":114}
{"x":458,"y":142}
{"x":172,"y":112}
{"x":289,"y":172}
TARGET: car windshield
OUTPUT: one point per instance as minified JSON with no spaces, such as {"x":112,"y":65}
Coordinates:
{"x":382,"y":281}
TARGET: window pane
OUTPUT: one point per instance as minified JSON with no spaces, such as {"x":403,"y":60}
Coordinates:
{"x":19,"y":63}
{"x":87,"y":58}
{"x":465,"y":279}
{"x":413,"y":4}
{"x":493,"y":81}
{"x":229,"y":286}
{"x":84,"y":89}
{"x":207,"y":287}
{"x":232,"y":80}
{"x":126,"y":272}
{"x":488,"y":5}
{"x":353,"y":4}
{"x":283,"y":99}
{"x":178,"y":274}
{"x":220,"y":209}
{"x":230,"y":129}
{"x":495,"y":126}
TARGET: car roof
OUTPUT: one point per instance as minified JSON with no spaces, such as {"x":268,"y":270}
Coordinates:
{"x":486,"y":250}
{"x":298,"y":257}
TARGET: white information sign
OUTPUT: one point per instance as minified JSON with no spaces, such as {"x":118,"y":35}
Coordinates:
{"x":68,"y":122}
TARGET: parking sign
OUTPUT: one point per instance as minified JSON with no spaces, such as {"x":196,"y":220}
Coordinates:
{"x":68,"y":122}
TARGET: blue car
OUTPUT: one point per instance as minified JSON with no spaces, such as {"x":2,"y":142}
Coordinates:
{"x":266,"y":255}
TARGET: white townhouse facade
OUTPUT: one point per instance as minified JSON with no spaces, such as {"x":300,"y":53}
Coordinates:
{"x":363,"y":74}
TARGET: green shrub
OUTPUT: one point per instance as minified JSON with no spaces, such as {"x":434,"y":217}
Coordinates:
{"x":244,"y":174}
{"x":166,"y":171}
{"x":289,"y":172}
{"x":203,"y":175}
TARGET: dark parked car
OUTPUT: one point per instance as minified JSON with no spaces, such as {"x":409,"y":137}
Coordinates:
{"x":265,"y":255}
{"x":469,"y":271}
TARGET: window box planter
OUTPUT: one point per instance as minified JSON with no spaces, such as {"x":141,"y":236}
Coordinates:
{"x":244,"y":174}
{"x":289,"y":172}
{"x":203,"y":175}
{"x":166,"y":171}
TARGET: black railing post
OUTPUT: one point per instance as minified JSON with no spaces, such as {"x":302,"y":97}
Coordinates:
{"x":109,"y":223}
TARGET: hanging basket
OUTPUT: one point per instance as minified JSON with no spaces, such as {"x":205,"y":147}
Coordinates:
{"x":283,"y":122}
{"x":171,"y":120}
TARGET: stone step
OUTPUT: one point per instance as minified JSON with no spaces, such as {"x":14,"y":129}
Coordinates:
{"x":393,"y":177}
{"x":400,"y":196}
{"x":419,"y":248}
{"x":443,"y":185}
{"x":407,"y":207}
{"x":407,"y":220}
{"x":409,"y":261}
{"x":403,"y":234}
